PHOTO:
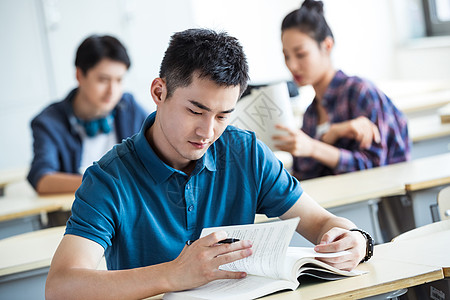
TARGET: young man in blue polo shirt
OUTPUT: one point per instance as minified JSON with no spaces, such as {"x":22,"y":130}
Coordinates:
{"x":185,"y":170}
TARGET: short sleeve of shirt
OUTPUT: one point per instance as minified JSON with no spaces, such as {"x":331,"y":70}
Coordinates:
{"x":96,"y":218}
{"x":278,"y":189}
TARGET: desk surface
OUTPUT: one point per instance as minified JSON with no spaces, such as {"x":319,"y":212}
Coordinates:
{"x":426,"y":250}
{"x":329,"y":191}
{"x":29,"y":251}
{"x":384,"y":276}
{"x":387,"y":272}
{"x":20,"y":200}
{"x":395,"y":265}
{"x":427,"y":127}
{"x":14,"y":207}
{"x":396,"y":179}
{"x":423,"y":101}
{"x":417,"y":95}
{"x":19,"y":207}
{"x":8,"y":176}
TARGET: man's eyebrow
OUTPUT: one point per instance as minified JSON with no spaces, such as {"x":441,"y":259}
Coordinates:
{"x":201,"y":106}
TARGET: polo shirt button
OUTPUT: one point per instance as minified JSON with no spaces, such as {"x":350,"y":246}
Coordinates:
{"x":191,"y":208}
{"x":188,"y":186}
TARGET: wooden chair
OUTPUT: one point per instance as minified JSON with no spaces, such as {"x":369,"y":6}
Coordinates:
{"x":423,"y":230}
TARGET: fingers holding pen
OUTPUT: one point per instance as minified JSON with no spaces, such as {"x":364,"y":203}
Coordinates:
{"x":221,"y":250}
{"x":227,"y":249}
{"x":199,"y":262}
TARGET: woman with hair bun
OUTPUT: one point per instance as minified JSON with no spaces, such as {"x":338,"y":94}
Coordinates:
{"x":350,"y":125}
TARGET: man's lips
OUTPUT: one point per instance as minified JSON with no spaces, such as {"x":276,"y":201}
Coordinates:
{"x":199,"y":145}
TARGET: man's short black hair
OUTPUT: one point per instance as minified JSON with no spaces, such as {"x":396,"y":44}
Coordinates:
{"x":95,"y":48}
{"x":215,"y":56}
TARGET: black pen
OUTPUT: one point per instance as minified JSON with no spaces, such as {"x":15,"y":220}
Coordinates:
{"x":228,"y":241}
{"x":225,"y":241}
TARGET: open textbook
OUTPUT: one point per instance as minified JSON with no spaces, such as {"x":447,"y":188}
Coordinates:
{"x":262,"y":110}
{"x":272,"y":267}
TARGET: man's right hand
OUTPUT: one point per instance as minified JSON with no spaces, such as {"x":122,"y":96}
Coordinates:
{"x":199,"y":263}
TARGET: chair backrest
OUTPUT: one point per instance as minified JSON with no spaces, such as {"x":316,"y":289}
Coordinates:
{"x":443,"y":201}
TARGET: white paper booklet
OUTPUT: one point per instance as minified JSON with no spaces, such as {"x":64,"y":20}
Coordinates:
{"x":262,"y":110}
{"x":273,"y":266}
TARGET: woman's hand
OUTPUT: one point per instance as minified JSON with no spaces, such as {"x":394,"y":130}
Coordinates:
{"x":361,"y":129}
{"x":295,"y":141}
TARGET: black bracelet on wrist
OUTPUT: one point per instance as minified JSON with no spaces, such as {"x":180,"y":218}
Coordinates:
{"x":369,"y":243}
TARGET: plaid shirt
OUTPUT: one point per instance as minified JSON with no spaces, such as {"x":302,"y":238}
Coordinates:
{"x":347,"y":98}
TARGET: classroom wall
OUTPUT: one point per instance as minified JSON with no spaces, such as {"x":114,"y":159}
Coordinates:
{"x":374,"y":39}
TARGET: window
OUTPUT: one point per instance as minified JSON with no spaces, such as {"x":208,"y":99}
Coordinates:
{"x":437,"y":17}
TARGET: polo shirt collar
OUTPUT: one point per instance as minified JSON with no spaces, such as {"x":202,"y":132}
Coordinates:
{"x":159,"y":170}
{"x":209,"y":158}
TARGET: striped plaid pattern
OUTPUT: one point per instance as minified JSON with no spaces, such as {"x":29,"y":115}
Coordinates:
{"x":348,"y":98}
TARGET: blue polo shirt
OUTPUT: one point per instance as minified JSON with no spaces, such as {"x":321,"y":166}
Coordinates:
{"x":142,"y":211}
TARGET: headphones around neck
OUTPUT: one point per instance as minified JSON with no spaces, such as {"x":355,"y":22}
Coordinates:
{"x":102,"y":125}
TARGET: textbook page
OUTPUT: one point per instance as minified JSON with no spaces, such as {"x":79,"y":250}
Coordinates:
{"x":270,"y":243}
{"x":296,"y":257}
{"x":250,"y":287}
{"x":262,"y":110}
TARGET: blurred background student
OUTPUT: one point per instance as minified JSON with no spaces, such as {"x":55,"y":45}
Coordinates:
{"x":350,"y":125}
{"x":69,"y":135}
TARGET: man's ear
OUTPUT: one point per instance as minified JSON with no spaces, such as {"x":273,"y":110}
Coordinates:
{"x":79,"y":75}
{"x":158,"y":90}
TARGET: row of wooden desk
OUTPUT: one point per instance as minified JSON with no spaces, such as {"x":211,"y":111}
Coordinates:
{"x":396,"y":179}
{"x":395,"y":265}
{"x":336,"y":193}
{"x":355,"y":195}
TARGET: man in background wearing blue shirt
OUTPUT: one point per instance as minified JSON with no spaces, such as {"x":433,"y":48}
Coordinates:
{"x":185,"y":170}
{"x":69,"y":135}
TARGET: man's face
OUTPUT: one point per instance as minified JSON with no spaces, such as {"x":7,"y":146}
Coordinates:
{"x":101,"y":87}
{"x":191,"y":120}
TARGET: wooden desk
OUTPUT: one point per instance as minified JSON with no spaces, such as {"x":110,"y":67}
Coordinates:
{"x":396,"y":179}
{"x":20,"y":215}
{"x":429,"y":249}
{"x":25,"y":260}
{"x":29,"y":251}
{"x":28,"y":256}
{"x":22,"y":210}
{"x":341,"y":193}
{"x":384,"y":276}
{"x":419,"y":95}
{"x":337,"y":190}
{"x":426,"y":172}
{"x":424,"y":179}
{"x":24,"y":263}
{"x":8,"y":176}
{"x":396,"y":265}
{"x":423,"y":101}
{"x":422,"y":128}
{"x":19,"y":207}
